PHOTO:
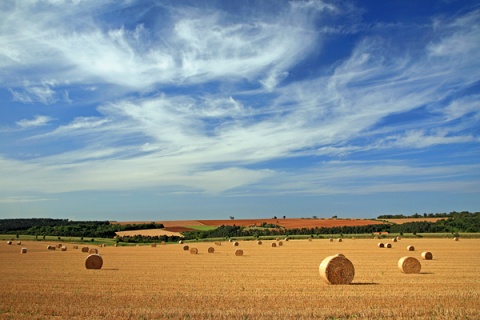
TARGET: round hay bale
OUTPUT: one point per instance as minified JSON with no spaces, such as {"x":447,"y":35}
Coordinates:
{"x":388,"y":245}
{"x":51,"y":247}
{"x":211,"y":250}
{"x":259,"y":242}
{"x":409,"y":265}
{"x":115,"y":245}
{"x":94,"y":261}
{"x":427,"y":255}
{"x":230,"y":240}
{"x":280,"y":243}
{"x":23,"y":250}
{"x":75,"y":247}
{"x":218,"y":243}
{"x":331,"y":239}
{"x":239,"y":253}
{"x":9,"y":243}
{"x":399,"y":238}
{"x":339,"y":240}
{"x":154,"y":245}
{"x":180,"y":242}
{"x":339,"y":255}
{"x":186,"y":248}
{"x":59,"y":245}
{"x":411,"y":248}
{"x":286,"y":239}
{"x":163,"y":243}
{"x":274,"y":245}
{"x":93,"y":251}
{"x":63,"y":248}
{"x":394,"y":240}
{"x":235,"y":244}
{"x":455,"y":239}
{"x":85,"y":249}
{"x":19,"y":243}
{"x":380,"y":245}
{"x":277,"y":239}
{"x":310,"y":239}
{"x":193,"y":251}
{"x":337,"y":270}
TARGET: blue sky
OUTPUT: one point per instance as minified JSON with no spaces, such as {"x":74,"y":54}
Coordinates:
{"x":172,"y":110}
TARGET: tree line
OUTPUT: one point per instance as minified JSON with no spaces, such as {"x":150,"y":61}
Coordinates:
{"x":453,"y":214}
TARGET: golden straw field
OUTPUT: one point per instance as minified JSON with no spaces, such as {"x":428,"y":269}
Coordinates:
{"x":166,"y":282}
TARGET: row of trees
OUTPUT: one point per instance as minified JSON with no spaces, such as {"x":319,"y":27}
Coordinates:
{"x":453,"y":214}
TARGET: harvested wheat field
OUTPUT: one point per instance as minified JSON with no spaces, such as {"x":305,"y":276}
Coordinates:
{"x":142,"y":282}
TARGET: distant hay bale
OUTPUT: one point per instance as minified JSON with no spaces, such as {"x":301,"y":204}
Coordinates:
{"x":163,"y":243}
{"x":75,"y":247}
{"x":19,"y":243}
{"x":339,"y":240}
{"x":85,"y":249}
{"x":63,"y":248}
{"x":388,"y":245}
{"x":310,"y":239}
{"x":218,"y":243}
{"x":409,"y":265}
{"x":353,"y":238}
{"x":186,"y":248}
{"x":280,"y":243}
{"x":9,"y":243}
{"x":23,"y":250}
{"x":115,"y":245}
{"x":277,"y":239}
{"x":286,"y":239}
{"x":337,"y":270}
{"x":59,"y":245}
{"x":455,"y":239}
{"x":376,"y":238}
{"x":239,"y":253}
{"x":394,"y":240}
{"x":51,"y":247}
{"x":94,"y":261}
{"x":380,"y":245}
{"x":193,"y":251}
{"x":399,"y":238}
{"x":331,"y":239}
{"x":235,"y":244}
{"x":274,"y":245}
{"x":427,"y":255}
{"x":411,"y":248}
{"x":93,"y":251}
{"x":180,"y":242}
{"x":211,"y":250}
{"x":154,"y":245}
{"x":230,"y":240}
{"x":259,"y":242}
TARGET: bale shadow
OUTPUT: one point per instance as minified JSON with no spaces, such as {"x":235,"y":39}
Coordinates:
{"x":110,"y":269}
{"x":426,"y":273}
{"x":363,"y":283}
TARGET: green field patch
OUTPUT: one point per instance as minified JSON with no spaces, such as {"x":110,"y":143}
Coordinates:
{"x":202,"y":228}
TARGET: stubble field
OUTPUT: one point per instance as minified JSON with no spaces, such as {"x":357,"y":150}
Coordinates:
{"x":165,"y":282}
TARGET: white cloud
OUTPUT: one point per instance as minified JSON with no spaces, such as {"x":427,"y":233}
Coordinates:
{"x":36,"y":122}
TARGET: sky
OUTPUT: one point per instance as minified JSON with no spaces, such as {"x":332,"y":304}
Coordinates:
{"x":175,"y":110}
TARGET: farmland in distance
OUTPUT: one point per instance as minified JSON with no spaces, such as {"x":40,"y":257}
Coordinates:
{"x":144,"y":282}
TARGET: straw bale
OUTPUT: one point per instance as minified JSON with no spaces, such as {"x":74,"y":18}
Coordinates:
{"x":280,"y":243}
{"x":23,"y":250}
{"x":19,"y":243}
{"x":427,"y":255}
{"x":380,"y":245}
{"x":163,"y":243}
{"x":211,"y":250}
{"x":235,"y":244}
{"x":75,"y":247}
{"x":274,"y":244}
{"x":94,"y":261}
{"x":331,"y":239}
{"x":186,"y":248}
{"x":93,"y":251}
{"x":63,"y":248}
{"x":180,"y":242}
{"x":9,"y":243}
{"x":399,"y":238}
{"x":394,"y":240}
{"x":411,"y":248}
{"x":388,"y":245}
{"x":51,"y":247}
{"x":310,"y":239}
{"x":409,"y":265}
{"x":337,"y":270}
{"x":154,"y":245}
{"x":259,"y":242}
{"x":85,"y":249}
{"x":239,"y":253}
{"x":286,"y":239}
{"x":339,"y":240}
{"x":455,"y":239}
{"x":59,"y":245}
{"x":193,"y":251}
{"x":218,"y":243}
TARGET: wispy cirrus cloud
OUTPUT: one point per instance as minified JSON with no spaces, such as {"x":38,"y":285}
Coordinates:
{"x":38,"y":121}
